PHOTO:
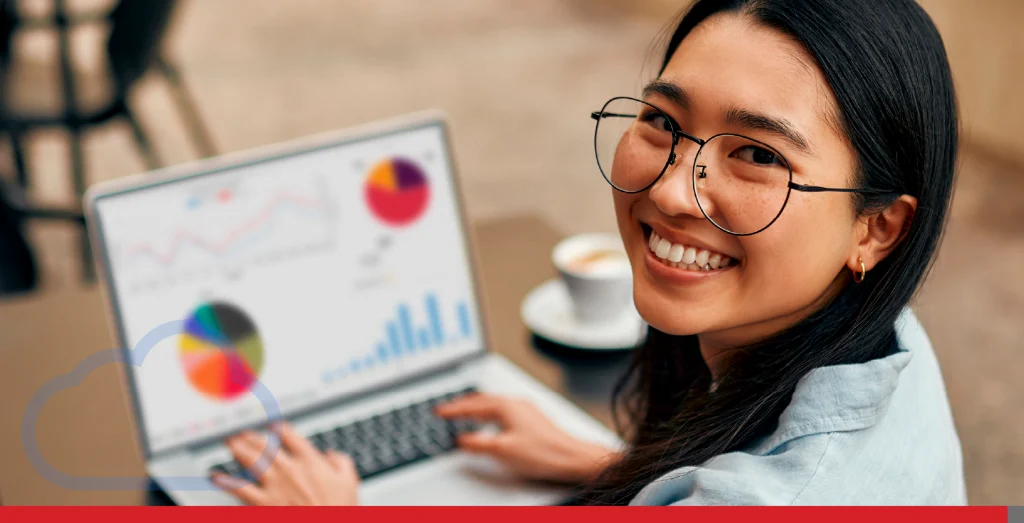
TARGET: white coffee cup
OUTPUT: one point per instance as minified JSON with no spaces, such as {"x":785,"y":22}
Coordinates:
{"x":597,"y":273}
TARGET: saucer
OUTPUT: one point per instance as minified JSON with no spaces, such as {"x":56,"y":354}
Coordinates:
{"x":547,"y":312}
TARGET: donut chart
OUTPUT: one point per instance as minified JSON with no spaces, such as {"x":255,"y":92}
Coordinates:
{"x":220,"y":350}
{"x":397,"y":191}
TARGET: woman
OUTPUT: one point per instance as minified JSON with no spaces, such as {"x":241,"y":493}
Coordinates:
{"x":781,"y":189}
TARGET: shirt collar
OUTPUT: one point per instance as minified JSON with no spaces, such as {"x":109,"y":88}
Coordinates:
{"x":839,"y":398}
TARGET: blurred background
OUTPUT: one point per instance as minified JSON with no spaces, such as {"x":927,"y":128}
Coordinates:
{"x":518,"y":79}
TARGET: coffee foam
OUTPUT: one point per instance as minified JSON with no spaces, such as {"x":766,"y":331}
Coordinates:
{"x":598,"y":256}
{"x":610,"y":266}
{"x":600,"y":263}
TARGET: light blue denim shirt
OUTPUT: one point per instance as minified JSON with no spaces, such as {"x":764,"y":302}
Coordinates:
{"x":876,"y":433}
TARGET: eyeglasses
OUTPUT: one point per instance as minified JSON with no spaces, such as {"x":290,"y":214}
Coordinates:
{"x":741,"y":184}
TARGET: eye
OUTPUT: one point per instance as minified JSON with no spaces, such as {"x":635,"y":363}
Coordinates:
{"x":758,"y":156}
{"x":656,"y":120}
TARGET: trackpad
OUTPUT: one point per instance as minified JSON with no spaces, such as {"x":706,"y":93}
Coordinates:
{"x":457,"y":479}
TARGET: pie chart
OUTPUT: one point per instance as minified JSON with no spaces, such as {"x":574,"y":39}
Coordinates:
{"x":220,"y":350}
{"x":397,"y":191}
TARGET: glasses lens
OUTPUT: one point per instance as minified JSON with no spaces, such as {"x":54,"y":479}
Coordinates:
{"x":633,"y":142}
{"x":741,"y":184}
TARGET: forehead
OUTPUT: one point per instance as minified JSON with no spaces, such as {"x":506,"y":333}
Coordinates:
{"x":729,"y":61}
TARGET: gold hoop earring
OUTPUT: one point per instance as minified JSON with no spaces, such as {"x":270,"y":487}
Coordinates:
{"x":857,"y":278}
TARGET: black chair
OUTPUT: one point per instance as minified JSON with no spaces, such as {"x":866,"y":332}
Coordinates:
{"x":133,"y":49}
{"x":18,"y":269}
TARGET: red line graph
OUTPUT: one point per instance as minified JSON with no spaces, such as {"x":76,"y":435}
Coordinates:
{"x":181,"y":237}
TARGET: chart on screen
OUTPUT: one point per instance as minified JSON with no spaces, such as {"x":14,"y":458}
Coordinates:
{"x":403,"y":337}
{"x":397,"y":191}
{"x":209,"y":232}
{"x":220,"y":351}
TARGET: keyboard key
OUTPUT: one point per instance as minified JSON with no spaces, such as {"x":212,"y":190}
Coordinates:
{"x":445,"y":441}
{"x":319,"y":442}
{"x":346,"y":445}
{"x":233,"y":468}
{"x":331,"y":440}
{"x":411,"y":412}
{"x":389,"y":459}
{"x":432,"y":449}
{"x":387,"y":425}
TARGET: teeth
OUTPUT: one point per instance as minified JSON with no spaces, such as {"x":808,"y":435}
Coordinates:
{"x":702,"y":258}
{"x":688,"y":258}
{"x":714,"y":260}
{"x":663,"y":247}
{"x":675,"y":253}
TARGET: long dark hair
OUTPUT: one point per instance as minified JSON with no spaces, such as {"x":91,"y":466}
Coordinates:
{"x":887,"y":67}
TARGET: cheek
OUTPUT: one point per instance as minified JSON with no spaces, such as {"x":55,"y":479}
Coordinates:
{"x":795,"y":260}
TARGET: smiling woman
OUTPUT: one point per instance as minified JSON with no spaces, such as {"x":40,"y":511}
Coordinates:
{"x":825,"y":179}
{"x":780,"y":189}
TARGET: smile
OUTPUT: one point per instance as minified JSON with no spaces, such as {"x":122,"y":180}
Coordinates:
{"x":680,"y":256}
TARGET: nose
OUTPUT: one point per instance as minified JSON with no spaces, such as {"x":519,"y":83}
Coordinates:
{"x":673,"y":193}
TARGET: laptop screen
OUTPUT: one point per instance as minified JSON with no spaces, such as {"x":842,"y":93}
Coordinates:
{"x":313,"y":276}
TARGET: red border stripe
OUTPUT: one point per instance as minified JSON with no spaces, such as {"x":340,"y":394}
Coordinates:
{"x":509,"y":514}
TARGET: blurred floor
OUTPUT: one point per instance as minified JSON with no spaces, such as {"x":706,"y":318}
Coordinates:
{"x":519,"y":79}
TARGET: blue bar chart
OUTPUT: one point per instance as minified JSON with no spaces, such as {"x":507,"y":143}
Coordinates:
{"x":403,"y":337}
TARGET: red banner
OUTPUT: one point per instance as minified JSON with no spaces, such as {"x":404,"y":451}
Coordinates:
{"x":508,"y":514}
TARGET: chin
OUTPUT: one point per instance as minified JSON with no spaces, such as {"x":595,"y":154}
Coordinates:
{"x":669,"y":314}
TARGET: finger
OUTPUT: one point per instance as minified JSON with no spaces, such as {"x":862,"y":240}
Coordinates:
{"x":252,"y":452}
{"x":481,"y":443}
{"x":342,"y":463}
{"x":296,"y":443}
{"x":480,"y":407}
{"x":246,"y":492}
{"x":268,"y":448}
{"x":244,"y":449}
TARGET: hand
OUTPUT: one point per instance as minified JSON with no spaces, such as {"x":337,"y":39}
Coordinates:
{"x":298,"y":475}
{"x":529,"y":443}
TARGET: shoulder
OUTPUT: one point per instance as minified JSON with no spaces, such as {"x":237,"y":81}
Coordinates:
{"x":742,"y":478}
{"x":874,"y":433}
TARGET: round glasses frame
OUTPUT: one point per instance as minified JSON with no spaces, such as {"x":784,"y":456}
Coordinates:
{"x":671,"y":160}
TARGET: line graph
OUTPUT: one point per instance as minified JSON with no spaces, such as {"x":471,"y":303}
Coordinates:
{"x":255,"y":223}
{"x":248,"y":230}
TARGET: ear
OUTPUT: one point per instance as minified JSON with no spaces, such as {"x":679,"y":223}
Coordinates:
{"x":880,"y":233}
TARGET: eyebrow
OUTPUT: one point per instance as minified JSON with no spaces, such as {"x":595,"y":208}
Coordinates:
{"x":669,"y":90}
{"x":741,"y":117}
{"x":761,"y":122}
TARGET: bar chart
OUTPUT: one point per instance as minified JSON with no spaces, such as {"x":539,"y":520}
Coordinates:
{"x":403,"y":337}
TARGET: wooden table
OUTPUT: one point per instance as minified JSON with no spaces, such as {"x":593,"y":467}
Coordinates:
{"x":86,"y":431}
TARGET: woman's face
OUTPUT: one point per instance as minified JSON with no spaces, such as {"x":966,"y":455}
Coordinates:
{"x":727,"y":67}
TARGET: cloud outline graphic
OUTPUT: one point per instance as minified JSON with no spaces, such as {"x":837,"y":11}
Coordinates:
{"x":136,"y":356}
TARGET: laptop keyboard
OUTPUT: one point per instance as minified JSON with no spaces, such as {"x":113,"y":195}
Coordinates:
{"x":387,"y":441}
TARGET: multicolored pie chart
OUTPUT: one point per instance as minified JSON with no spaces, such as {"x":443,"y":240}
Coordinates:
{"x":397,"y":191}
{"x":220,"y":350}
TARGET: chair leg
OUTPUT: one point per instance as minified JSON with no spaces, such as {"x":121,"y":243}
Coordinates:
{"x":20,"y":165}
{"x":79,"y":182}
{"x":75,"y":126}
{"x":149,"y":154}
{"x":197,"y":128}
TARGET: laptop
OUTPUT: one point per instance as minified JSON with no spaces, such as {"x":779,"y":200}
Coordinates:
{"x":328,"y":281}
